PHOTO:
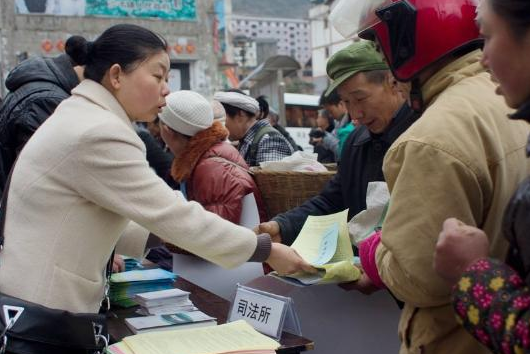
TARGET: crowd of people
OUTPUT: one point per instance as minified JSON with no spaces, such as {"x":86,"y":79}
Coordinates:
{"x":97,"y":155}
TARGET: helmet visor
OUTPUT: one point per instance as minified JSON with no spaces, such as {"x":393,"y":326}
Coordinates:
{"x":351,"y":17}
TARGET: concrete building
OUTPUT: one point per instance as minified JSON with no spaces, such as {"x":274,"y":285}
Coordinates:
{"x":41,"y":27}
{"x":286,"y":22}
{"x":325,"y":41}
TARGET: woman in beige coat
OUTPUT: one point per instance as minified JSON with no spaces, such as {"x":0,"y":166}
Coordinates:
{"x":82,"y":185}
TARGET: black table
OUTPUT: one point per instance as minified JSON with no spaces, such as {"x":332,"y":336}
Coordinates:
{"x":210,"y":304}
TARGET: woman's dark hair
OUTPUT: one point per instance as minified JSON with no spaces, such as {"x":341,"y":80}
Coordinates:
{"x":263,"y":107}
{"x":232,"y":111}
{"x":516,"y":13}
{"x":124,"y":44}
{"x":332,"y":99}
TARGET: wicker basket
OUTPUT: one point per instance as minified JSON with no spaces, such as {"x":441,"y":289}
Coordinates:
{"x":282,"y":191}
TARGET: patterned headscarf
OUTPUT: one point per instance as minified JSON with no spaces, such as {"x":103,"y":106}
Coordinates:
{"x":238,"y":100}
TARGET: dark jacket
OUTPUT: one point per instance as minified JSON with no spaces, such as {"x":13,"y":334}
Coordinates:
{"x":361,"y":162}
{"x":215,"y":174}
{"x":159,"y":159}
{"x":36,"y":86}
{"x":516,"y":222}
{"x":325,"y":155}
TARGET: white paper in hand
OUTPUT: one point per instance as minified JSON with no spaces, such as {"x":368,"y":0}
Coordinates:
{"x":362,"y":225}
{"x":249,"y":212}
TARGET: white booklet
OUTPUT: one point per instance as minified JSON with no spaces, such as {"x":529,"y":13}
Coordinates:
{"x":165,"y":310}
{"x":179,"y":320}
{"x":163,"y":294}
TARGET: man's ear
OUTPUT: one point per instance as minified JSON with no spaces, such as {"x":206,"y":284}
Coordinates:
{"x":391,"y":81}
{"x":115,"y":72}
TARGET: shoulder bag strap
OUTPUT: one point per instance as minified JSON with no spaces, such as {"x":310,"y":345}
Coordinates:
{"x":253,"y":150}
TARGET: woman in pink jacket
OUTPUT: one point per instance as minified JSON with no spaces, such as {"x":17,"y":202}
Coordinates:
{"x":210,"y":170}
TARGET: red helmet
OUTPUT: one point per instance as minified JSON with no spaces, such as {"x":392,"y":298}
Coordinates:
{"x":413,"y":34}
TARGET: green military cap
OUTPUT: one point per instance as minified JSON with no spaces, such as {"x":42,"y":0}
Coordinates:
{"x":357,"y":57}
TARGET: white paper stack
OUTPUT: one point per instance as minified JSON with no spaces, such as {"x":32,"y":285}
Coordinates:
{"x":164,"y":302}
{"x":178,"y":320}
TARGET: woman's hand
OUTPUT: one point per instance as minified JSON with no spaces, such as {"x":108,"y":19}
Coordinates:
{"x":286,"y":260}
{"x":118,"y":265}
{"x":459,"y":246}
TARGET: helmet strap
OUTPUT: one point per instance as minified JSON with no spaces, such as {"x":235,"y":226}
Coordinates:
{"x":416,"y":98}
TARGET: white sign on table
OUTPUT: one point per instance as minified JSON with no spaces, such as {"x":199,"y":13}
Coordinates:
{"x":268,"y":313}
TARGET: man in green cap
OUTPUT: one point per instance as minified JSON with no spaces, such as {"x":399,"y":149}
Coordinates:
{"x":372,"y":96}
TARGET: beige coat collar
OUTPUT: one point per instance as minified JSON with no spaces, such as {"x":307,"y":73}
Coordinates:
{"x":466,"y":66}
{"x":98,"y":94}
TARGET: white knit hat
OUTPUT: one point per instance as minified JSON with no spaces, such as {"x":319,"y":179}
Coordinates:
{"x":187,"y":112}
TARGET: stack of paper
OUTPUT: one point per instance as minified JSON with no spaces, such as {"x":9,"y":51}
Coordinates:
{"x":179,"y":320}
{"x":324,"y":242}
{"x":234,"y":337}
{"x":125,"y":285}
{"x":164,"y":302}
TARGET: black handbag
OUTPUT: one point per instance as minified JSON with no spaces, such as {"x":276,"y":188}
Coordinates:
{"x":35,"y":329}
{"x":30,"y":328}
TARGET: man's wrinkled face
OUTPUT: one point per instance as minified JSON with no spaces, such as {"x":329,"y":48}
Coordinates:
{"x":371,"y":104}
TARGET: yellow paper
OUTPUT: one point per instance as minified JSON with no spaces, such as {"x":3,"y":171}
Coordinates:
{"x":230,"y":337}
{"x":340,"y":272}
{"x":119,"y":348}
{"x":340,"y":267}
